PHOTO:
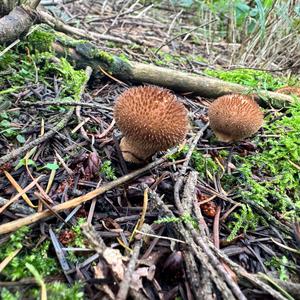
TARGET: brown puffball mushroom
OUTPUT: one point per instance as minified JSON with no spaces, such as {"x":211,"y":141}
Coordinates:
{"x":289,"y":90}
{"x":151,"y":119}
{"x":234,"y":117}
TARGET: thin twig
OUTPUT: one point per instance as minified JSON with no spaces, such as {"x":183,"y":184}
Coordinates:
{"x":179,"y":182}
{"x":14,"y":225}
{"x":66,"y":103}
{"x":125,"y":284}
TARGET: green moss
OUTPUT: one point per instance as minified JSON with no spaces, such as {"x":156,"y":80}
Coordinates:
{"x":165,"y":58}
{"x":197,"y":58}
{"x":110,"y":63}
{"x":272,"y":176}
{"x":244,"y":219}
{"x":43,"y":37}
{"x":79,"y":238}
{"x":7,"y":295}
{"x":38,"y":257}
{"x":123,"y":57}
{"x":55,"y":290}
{"x":64,"y":39}
{"x":105,"y":56}
{"x":73,"y":79}
{"x":110,"y":44}
{"x":26,"y":69}
{"x":204,"y":164}
{"x":179,"y":154}
{"x":187,"y":218}
{"x":58,"y":290}
{"x":253,"y":78}
{"x":296,"y":25}
{"x":41,"y":40}
{"x":281,"y":264}
{"x":108,"y":170}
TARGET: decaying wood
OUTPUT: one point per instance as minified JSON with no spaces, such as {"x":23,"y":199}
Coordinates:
{"x":87,"y":54}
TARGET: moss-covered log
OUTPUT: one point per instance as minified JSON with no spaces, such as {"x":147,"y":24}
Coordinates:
{"x":84,"y":53}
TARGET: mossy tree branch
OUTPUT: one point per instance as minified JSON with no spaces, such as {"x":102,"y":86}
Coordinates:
{"x":84,"y":53}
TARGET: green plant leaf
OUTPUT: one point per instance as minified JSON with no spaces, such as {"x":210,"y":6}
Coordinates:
{"x":21,"y":139}
{"x":52,"y":166}
{"x":5,"y":124}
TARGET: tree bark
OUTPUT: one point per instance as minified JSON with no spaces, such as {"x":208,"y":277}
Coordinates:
{"x":18,"y":21}
{"x":7,"y":6}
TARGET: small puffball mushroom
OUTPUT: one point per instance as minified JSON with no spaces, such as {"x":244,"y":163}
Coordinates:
{"x":234,"y":117}
{"x":150,"y":119}
{"x":289,"y":90}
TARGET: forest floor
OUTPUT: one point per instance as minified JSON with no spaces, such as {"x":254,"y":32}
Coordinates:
{"x":155,"y":235}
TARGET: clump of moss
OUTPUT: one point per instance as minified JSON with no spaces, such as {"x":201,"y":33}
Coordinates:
{"x":55,"y":290}
{"x":38,"y":257}
{"x":5,"y":294}
{"x":245,"y":218}
{"x":73,"y":79}
{"x":26,"y":68}
{"x":41,"y":40}
{"x":271,"y":177}
{"x":204,"y":164}
{"x":253,"y":78}
{"x":58,"y":290}
{"x":18,"y":69}
{"x":108,"y":170}
{"x":283,"y":266}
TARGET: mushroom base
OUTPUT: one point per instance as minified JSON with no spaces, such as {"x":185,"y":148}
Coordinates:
{"x":223,"y":137}
{"x":135,"y":152}
{"x":238,"y":134}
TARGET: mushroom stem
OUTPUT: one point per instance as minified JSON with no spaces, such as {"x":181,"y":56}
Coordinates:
{"x":135,"y":151}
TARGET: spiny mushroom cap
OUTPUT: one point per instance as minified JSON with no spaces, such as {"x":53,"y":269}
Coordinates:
{"x":234,"y":117}
{"x":289,"y":90}
{"x":151,"y":119}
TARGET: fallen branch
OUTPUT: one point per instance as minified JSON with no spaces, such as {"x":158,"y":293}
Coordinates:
{"x":206,"y":265}
{"x":14,"y":225}
{"x":67,"y":103}
{"x":243,"y":274}
{"x":84,"y":54}
{"x":290,"y":287}
{"x":45,"y":17}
